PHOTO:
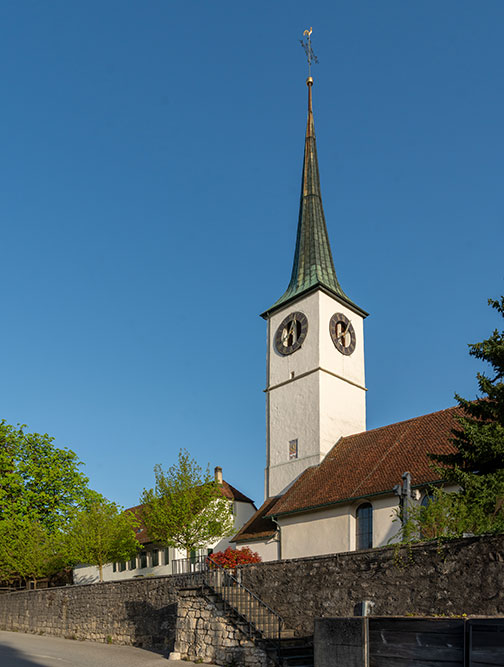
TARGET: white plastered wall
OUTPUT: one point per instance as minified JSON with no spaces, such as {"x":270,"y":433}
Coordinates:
{"x":242,"y":513}
{"x":89,"y":574}
{"x":332,"y":530}
{"x":314,"y":395}
{"x":267,"y":549}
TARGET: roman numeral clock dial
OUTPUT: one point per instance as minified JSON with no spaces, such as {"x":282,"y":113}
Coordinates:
{"x":342,"y":333}
{"x":291,"y":333}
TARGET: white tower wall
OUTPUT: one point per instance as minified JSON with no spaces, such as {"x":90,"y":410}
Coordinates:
{"x":315,"y":395}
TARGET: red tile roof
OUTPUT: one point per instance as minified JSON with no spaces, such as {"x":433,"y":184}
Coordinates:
{"x":372,"y":462}
{"x":233,"y":494}
{"x":259,"y":526}
{"x":228,"y":491}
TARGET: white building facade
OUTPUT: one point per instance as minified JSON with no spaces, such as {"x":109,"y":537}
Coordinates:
{"x":155,"y":559}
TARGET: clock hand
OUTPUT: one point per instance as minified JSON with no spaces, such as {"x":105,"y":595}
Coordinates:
{"x":344,"y":333}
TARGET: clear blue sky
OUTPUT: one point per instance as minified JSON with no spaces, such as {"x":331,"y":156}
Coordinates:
{"x":150,"y":164}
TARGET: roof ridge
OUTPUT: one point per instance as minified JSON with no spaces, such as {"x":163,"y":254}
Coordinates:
{"x":403,"y":421}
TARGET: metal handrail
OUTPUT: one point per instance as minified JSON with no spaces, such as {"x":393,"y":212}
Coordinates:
{"x":189,"y":565}
{"x":260,"y":618}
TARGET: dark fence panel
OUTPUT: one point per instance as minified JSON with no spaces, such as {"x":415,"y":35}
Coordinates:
{"x":486,"y":642}
{"x":413,"y":641}
{"x":409,"y":642}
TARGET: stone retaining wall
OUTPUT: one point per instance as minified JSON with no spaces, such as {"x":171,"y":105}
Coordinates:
{"x":461,"y":577}
{"x":204,"y":633}
{"x":141,"y":612}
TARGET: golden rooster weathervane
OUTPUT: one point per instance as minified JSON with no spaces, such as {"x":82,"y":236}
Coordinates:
{"x":306,"y":44}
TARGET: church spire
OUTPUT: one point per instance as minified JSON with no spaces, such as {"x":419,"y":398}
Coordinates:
{"x":313,"y":263}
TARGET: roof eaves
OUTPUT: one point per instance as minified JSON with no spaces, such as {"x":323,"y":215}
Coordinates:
{"x":309,"y":290}
{"x":386,"y":492}
{"x":259,"y":538}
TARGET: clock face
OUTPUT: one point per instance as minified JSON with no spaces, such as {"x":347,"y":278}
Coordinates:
{"x":342,"y":333}
{"x":291,"y":333}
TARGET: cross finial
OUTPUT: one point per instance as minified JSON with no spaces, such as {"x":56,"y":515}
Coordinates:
{"x":306,"y":44}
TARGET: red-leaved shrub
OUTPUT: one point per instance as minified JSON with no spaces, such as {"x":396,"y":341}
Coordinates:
{"x":233,"y":557}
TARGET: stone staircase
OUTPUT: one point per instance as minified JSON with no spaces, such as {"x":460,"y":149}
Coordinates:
{"x":267,"y":624}
{"x":263,"y":625}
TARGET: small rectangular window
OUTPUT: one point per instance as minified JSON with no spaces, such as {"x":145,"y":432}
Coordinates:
{"x":166,"y":556}
{"x":293,"y":449}
{"x":114,"y":567}
{"x":143,"y":559}
{"x":122,"y":566}
{"x":132,"y":565}
{"x":155,"y":558}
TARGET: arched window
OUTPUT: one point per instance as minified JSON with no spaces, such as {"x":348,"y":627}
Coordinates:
{"x":427,"y":499}
{"x":364,"y":526}
{"x":427,"y":531}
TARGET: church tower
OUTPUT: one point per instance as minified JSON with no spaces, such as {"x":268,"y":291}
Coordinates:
{"x":315,"y":389}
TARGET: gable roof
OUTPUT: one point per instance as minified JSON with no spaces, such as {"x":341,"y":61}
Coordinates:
{"x":259,"y":526}
{"x":233,"y":494}
{"x":228,"y":492}
{"x":372,"y":462}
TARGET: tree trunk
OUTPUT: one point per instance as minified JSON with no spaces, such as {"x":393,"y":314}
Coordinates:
{"x":100,"y":568}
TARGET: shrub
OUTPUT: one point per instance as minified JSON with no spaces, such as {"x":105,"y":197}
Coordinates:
{"x":230,"y":558}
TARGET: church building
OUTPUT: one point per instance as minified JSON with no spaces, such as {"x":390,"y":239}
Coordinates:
{"x":330,"y":485}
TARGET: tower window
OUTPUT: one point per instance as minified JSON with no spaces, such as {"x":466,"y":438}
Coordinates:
{"x":293,"y":449}
{"x":364,"y":526}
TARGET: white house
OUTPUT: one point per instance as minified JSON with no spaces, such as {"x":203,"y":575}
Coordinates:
{"x":329,"y":483}
{"x":155,"y":559}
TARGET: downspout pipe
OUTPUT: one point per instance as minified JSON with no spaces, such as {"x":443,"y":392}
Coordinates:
{"x":279,"y":537}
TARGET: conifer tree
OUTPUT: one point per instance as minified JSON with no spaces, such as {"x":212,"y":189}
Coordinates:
{"x":477,"y":466}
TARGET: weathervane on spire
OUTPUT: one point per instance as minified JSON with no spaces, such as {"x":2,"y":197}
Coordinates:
{"x":306,"y":44}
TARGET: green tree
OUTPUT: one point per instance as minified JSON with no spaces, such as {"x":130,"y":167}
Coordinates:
{"x":100,"y":534}
{"x":38,"y":481}
{"x":187,"y":508}
{"x":28,"y":550}
{"x":477,"y":465}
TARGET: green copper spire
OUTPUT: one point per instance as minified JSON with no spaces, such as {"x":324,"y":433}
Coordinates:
{"x":313,"y":263}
